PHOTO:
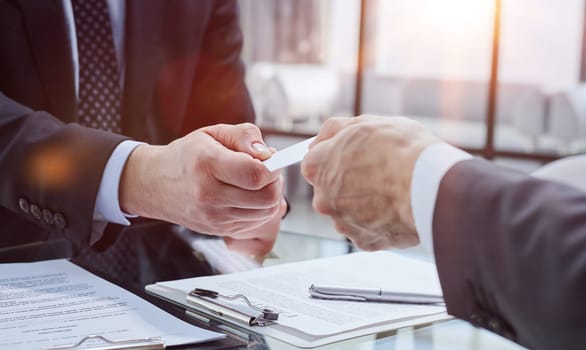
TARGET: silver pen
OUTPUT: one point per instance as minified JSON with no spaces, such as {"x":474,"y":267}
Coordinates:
{"x":366,"y":294}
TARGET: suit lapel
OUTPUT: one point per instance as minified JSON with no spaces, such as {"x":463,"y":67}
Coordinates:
{"x":46,"y":26}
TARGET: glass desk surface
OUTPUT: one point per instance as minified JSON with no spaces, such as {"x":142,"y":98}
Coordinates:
{"x":453,"y":334}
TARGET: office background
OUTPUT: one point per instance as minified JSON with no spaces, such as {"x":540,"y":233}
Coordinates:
{"x":500,"y":78}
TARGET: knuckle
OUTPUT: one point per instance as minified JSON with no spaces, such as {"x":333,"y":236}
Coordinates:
{"x":204,"y":196}
{"x":205,"y":158}
{"x":308,"y":170}
{"x":271,"y":194}
{"x":209,"y":213}
{"x":230,"y":228}
{"x":335,"y":121}
{"x":343,"y":228}
{"x":248,"y":126}
{"x":271,"y":212}
{"x":256,"y":178}
{"x":262,"y":248}
{"x":322,"y":206}
{"x":282,"y":208}
{"x":332,"y":123}
{"x":263,"y":216}
{"x":366,"y":246}
{"x":340,"y":227}
{"x":364,"y":130}
{"x":341,"y":205}
{"x":250,"y":129}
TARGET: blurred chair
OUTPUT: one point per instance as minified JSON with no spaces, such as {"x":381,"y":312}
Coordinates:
{"x":286,"y":94}
{"x":456,"y":109}
{"x":569,"y":171}
{"x":258,"y":76}
{"x":567,"y":120}
{"x":528,"y":115}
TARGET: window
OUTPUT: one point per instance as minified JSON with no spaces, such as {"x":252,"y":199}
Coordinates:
{"x":431,"y":61}
{"x":540,"y":104}
{"x":301,"y":60}
{"x":427,"y":59}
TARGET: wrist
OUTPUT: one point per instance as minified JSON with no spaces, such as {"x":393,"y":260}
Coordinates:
{"x":430,"y":167}
{"x":136,"y":181}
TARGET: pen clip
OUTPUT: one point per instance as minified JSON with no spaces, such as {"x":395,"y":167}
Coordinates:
{"x":334,"y":296}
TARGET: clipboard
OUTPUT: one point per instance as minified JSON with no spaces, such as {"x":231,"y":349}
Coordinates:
{"x":215,"y":303}
{"x":237,"y":314}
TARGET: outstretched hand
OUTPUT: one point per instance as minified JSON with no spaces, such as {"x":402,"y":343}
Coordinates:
{"x":360,"y":169}
{"x":211,"y":181}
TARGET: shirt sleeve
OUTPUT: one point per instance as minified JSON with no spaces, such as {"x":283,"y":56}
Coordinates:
{"x":431,"y":166}
{"x":107,"y":206}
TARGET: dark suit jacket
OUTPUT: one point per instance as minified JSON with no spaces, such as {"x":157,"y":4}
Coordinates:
{"x":511,"y":254}
{"x":182,"y":72}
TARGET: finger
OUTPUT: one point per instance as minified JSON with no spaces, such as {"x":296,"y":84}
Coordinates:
{"x":249,"y":215}
{"x":238,"y":228}
{"x":244,"y":137}
{"x":253,"y":247}
{"x":240,"y":170}
{"x":283,"y":208}
{"x":331,"y":127}
{"x":361,"y":238}
{"x":260,"y":240}
{"x":232,"y":196}
{"x":323,"y":204}
{"x":346,"y":229}
{"x":266,"y":229}
{"x":316,"y":160}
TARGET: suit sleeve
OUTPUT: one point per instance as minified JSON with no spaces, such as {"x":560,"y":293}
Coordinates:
{"x":219,"y":93}
{"x":511,"y":254}
{"x":50,"y":171}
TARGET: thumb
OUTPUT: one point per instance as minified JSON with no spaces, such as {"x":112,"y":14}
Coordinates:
{"x":244,"y":137}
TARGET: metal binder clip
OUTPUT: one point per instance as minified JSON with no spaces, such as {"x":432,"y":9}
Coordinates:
{"x":267,"y":316}
{"x":153,"y":343}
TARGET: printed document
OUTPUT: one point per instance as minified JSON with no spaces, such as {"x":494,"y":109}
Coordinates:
{"x":54,"y":303}
{"x":285,"y":288}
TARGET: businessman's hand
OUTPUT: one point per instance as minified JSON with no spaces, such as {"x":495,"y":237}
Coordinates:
{"x":361,"y":169}
{"x":211,"y":181}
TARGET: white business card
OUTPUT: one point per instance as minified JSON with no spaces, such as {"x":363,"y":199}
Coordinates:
{"x":289,"y":155}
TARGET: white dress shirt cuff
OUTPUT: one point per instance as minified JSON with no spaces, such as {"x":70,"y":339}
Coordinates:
{"x":431,"y":166}
{"x":107,"y":205}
